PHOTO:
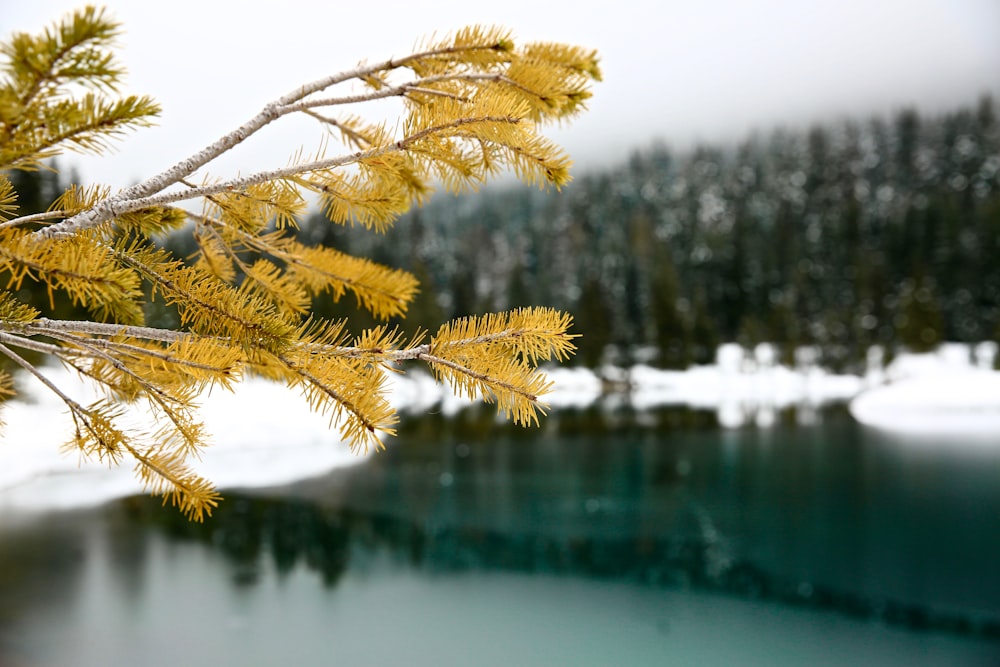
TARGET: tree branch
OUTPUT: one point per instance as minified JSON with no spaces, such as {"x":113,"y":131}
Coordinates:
{"x":126,"y":200}
{"x":43,"y":326}
{"x":34,"y":217}
{"x":116,"y":206}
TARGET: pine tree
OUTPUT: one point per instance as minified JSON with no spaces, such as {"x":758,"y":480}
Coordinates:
{"x":473,"y":105}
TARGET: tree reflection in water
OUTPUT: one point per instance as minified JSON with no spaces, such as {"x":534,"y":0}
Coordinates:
{"x":571,"y":504}
{"x":825,"y":517}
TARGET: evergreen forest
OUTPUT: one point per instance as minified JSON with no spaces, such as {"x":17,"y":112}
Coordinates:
{"x":884,"y":231}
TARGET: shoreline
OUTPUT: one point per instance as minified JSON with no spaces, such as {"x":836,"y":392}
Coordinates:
{"x":744,"y":388}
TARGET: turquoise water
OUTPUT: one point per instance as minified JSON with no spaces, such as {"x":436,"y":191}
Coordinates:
{"x":603,"y":539}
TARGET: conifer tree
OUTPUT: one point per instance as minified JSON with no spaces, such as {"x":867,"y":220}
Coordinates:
{"x":473,"y":104}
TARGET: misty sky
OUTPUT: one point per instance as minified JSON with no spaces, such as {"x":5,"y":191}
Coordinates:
{"x":681,"y":72}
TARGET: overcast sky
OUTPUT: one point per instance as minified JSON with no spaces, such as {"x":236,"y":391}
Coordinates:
{"x":698,"y":70}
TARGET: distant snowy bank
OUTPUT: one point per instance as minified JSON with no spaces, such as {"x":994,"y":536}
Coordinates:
{"x":741,"y":385}
{"x":951,"y":391}
{"x":265,"y":435}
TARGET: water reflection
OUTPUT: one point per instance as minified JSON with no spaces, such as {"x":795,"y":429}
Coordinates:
{"x":254,"y":532}
{"x":828,"y":517}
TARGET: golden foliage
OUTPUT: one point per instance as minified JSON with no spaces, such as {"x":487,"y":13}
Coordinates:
{"x":82,"y":266}
{"x":38,"y":116}
{"x":13,"y":311}
{"x":495,"y":356}
{"x":472,"y":103}
{"x":8,"y":197}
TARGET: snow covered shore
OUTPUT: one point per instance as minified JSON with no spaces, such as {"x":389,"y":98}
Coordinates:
{"x":740,"y":386}
{"x":288,"y":442}
{"x":953,"y":391}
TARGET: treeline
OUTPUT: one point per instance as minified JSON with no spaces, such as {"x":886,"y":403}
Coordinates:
{"x":843,"y":236}
{"x":885,"y":231}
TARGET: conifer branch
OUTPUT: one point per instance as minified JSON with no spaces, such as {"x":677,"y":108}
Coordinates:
{"x":155,"y":393}
{"x":473,"y":102}
{"x":270,"y":113}
{"x":117,"y":206}
{"x":358,"y":428}
{"x":484,"y":378}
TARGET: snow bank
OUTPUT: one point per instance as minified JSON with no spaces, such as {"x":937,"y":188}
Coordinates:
{"x":952,"y":391}
{"x":935,"y":403}
{"x":740,"y":385}
{"x":573,"y":387}
{"x":263,"y":435}
{"x":743,"y":386}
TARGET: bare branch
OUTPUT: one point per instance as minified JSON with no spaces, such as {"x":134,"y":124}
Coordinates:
{"x":34,"y":217}
{"x":43,"y":326}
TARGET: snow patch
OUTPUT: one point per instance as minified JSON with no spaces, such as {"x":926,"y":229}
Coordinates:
{"x":262,"y":435}
{"x":951,"y":391}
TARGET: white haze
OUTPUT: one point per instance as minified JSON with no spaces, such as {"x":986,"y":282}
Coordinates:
{"x":681,"y":72}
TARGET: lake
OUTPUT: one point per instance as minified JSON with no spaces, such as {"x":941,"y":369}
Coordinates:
{"x":607,"y":537}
